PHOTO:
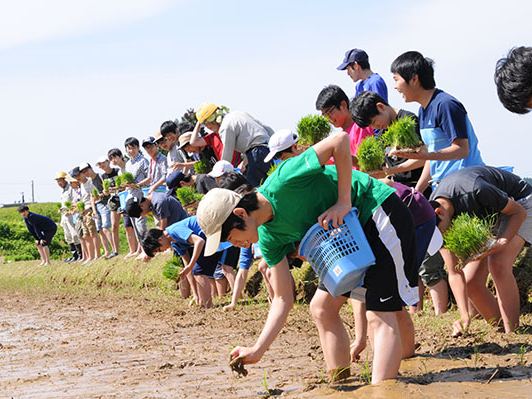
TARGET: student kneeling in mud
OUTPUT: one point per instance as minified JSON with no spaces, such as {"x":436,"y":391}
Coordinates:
{"x":184,"y":236}
{"x":280,"y":212}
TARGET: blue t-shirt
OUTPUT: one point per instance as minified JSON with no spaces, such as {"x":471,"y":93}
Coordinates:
{"x":373,"y":83}
{"x":443,"y":121}
{"x":181,"y":232}
{"x":167,"y":207}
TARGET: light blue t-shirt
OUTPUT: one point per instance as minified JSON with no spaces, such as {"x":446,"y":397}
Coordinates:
{"x":373,"y":83}
{"x":443,"y":121}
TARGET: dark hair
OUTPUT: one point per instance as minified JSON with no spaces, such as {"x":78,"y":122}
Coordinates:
{"x":435,"y":205}
{"x":133,"y":209}
{"x":23,"y":208}
{"x":185,"y":126}
{"x":412,"y":63}
{"x":363,"y":108}
{"x":249,"y":203}
{"x":114,"y":152}
{"x":513,"y":77}
{"x":235,"y":181}
{"x":331,"y":96}
{"x":279,"y":154}
{"x":131,"y":141}
{"x":169,"y":127}
{"x":364,"y":64}
{"x":150,"y":241}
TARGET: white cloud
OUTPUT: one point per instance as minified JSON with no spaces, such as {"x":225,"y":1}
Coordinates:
{"x":33,"y":20}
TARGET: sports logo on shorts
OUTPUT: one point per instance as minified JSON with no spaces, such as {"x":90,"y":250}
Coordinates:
{"x":337,"y":270}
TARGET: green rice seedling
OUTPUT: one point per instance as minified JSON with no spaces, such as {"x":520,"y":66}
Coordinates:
{"x":127,"y":178}
{"x":312,"y":129}
{"x":118,"y":181}
{"x":198,"y":196}
{"x":370,"y":154}
{"x":95,"y":192}
{"x":522,"y":350}
{"x":202,"y":166}
{"x":80,"y":206}
{"x":476,"y":356}
{"x":365,"y":374}
{"x":172,"y":269}
{"x":58,"y":205}
{"x":264,"y":383}
{"x":185,"y":195}
{"x":68,"y":205}
{"x":401,"y":134}
{"x":468,"y":237}
{"x":106,"y":185}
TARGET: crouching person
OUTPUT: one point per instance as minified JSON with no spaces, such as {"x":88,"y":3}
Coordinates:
{"x":300,"y":192}
{"x":42,"y":229}
{"x":188,"y":241}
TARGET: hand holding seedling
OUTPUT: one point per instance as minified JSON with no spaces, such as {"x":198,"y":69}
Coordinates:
{"x":245,"y":355}
{"x":334,"y":214}
{"x":422,"y":154}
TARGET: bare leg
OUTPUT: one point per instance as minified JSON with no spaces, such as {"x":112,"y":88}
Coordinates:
{"x":501,"y":268}
{"x":240,"y":282}
{"x":387,"y":350}
{"x":476,"y":274}
{"x":204,"y":290}
{"x":115,"y":225}
{"x":421,"y":290}
{"x":333,"y":335}
{"x":221,"y":287}
{"x":46,"y":253}
{"x":406,"y":328}
{"x":96,"y":243}
{"x":440,"y":296}
{"x":131,"y":241}
{"x":106,"y":240}
{"x":229,"y":274}
{"x":84,"y":249}
{"x":41,"y":254}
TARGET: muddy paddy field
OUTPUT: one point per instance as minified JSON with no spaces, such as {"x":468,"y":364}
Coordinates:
{"x":96,"y":344}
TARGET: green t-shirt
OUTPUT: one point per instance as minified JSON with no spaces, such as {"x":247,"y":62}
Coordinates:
{"x":300,"y":190}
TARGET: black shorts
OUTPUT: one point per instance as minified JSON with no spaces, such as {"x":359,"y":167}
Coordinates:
{"x":113,"y":203}
{"x":392,"y":282}
{"x":230,"y":257}
{"x":127,"y":220}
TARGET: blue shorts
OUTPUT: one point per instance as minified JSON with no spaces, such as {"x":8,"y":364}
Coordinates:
{"x":103,"y":218}
{"x":206,"y":266}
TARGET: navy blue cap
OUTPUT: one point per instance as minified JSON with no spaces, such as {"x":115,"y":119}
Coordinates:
{"x":148,"y":140}
{"x":75,"y":171}
{"x":354,"y":55}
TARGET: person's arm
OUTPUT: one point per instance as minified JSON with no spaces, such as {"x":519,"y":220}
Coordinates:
{"x":361,"y":328}
{"x":406,"y":166}
{"x":338,"y":147}
{"x":198,"y":243}
{"x":424,"y":179}
{"x":195,"y":139}
{"x":282,"y":302}
{"x":162,"y":223}
{"x":458,"y":149}
{"x":161,"y":181}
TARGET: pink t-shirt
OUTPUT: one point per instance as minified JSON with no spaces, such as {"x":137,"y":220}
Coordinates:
{"x":356,"y":135}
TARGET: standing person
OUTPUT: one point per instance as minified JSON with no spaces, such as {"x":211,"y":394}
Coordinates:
{"x":443,"y":121}
{"x":513,"y":77}
{"x":42,"y":229}
{"x":139,"y":167}
{"x":67,"y":223}
{"x":88,"y":224}
{"x":239,"y":131}
{"x":101,"y":210}
{"x":167,"y":138}
{"x":113,"y":203}
{"x":334,"y":104}
{"x":299,"y":192}
{"x":158,"y":164}
{"x":356,"y":62}
{"x":482,"y":191}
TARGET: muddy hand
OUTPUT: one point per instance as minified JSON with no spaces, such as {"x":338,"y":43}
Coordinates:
{"x":247,"y":355}
{"x":334,"y":214}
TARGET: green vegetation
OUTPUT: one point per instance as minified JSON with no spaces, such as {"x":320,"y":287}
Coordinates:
{"x":272,"y":169}
{"x":312,"y":129}
{"x":187,"y":195}
{"x":95,"y":192}
{"x":106,"y":185}
{"x":80,"y":206}
{"x":172,"y":268}
{"x":370,"y":154}
{"x":127,"y":178}
{"x":202,"y":166}
{"x":68,"y":205}
{"x":118,"y":181}
{"x":467,"y":235}
{"x":402,"y":134}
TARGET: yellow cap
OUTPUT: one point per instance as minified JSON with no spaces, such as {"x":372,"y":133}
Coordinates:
{"x":60,"y":175}
{"x":204,"y":111}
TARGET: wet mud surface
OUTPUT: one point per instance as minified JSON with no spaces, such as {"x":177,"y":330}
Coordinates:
{"x":66,"y":347}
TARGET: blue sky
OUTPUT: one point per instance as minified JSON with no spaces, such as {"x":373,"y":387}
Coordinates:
{"x":77,"y":78}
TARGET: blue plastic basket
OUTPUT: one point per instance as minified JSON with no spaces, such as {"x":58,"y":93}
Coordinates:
{"x":341,"y":256}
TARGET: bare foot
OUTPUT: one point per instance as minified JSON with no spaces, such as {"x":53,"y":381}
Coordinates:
{"x":47,"y":264}
{"x":356,"y":349}
{"x":129,"y":255}
{"x":229,"y":307}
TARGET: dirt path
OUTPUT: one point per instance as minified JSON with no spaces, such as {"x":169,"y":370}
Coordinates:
{"x":62,"y":347}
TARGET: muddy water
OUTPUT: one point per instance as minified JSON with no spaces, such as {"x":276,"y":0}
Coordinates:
{"x":78,"y":348}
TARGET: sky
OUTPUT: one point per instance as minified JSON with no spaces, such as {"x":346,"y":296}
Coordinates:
{"x":79,"y":77}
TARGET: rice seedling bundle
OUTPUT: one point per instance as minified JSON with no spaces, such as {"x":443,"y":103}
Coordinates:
{"x":185,"y":195}
{"x":468,"y":237}
{"x":202,"y":166}
{"x":68,"y":205}
{"x":127,"y":178}
{"x":95,"y":192}
{"x":106,"y":184}
{"x":312,"y":129}
{"x":80,"y":206}
{"x":370,"y":154}
{"x":118,"y":181}
{"x":172,"y":269}
{"x":401,"y":135}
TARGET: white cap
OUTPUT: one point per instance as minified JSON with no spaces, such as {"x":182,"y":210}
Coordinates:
{"x":101,"y":159}
{"x":84,"y":165}
{"x":220,"y":168}
{"x":213,"y":210}
{"x":280,"y":140}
